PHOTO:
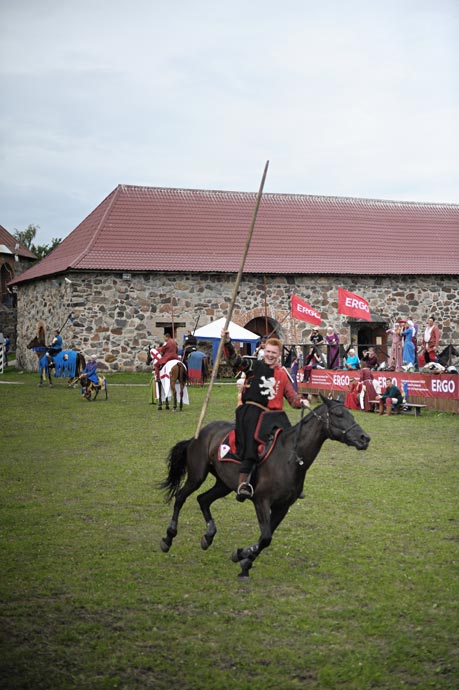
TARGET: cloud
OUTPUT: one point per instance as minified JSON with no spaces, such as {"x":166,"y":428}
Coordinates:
{"x":354,"y":98}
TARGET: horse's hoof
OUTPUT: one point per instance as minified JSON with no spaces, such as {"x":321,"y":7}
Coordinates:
{"x":164,"y":546}
{"x":242,"y":577}
{"x":204,"y":543}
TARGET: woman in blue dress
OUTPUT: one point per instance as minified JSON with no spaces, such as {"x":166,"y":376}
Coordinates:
{"x":408,"y":346}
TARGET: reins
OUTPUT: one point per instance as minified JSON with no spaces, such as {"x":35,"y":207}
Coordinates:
{"x":326,"y":421}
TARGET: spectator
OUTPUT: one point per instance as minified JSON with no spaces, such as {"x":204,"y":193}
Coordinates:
{"x":369,"y":389}
{"x":351,"y":361}
{"x":6,"y":349}
{"x":352,"y":399}
{"x":332,"y":340}
{"x":370,"y":359}
{"x":313,"y":361}
{"x":395,"y":357}
{"x":430,"y":341}
{"x":408,"y":355}
{"x":316,"y":338}
{"x":260,"y":350}
{"x":391,"y":396}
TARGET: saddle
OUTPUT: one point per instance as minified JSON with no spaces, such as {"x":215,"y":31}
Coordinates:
{"x":270,"y":425}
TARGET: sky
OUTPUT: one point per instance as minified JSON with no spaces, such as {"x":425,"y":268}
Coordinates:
{"x":355,"y":98}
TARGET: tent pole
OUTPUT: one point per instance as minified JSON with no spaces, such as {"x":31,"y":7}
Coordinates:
{"x":233,"y":300}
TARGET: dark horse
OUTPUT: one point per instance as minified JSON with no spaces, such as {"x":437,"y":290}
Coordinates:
{"x":176,"y":375}
{"x":447,"y":357}
{"x":279,"y":480}
{"x":69,"y":362}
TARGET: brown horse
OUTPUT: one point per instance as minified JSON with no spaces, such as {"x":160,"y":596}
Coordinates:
{"x":278,"y":482}
{"x":169,"y":382}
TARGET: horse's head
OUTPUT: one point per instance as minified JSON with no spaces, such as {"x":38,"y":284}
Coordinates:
{"x":152,"y":354}
{"x":34,"y":343}
{"x":340,"y":425}
{"x":83,"y":380}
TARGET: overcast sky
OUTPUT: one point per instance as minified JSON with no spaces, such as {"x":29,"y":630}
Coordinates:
{"x":344,"y":97}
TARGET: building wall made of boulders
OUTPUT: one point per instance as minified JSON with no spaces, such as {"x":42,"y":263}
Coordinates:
{"x":117,"y":316}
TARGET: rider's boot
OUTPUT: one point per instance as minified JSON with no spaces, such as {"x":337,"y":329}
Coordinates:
{"x":381,"y":407}
{"x":244,"y":489}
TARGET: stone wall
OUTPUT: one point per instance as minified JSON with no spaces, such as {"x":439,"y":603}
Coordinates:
{"x":117,"y":317}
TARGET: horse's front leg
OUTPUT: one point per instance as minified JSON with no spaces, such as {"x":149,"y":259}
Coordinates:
{"x":247,"y":555}
{"x":205,"y":500}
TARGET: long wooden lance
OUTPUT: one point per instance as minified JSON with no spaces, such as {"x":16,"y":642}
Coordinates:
{"x":233,"y":301}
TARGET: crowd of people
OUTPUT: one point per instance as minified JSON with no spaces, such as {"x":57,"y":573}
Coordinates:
{"x":407,"y":351}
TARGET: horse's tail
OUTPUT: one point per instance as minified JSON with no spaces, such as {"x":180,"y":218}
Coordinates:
{"x":177,"y":469}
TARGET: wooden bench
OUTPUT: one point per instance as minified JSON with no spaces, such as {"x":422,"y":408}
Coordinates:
{"x":404,"y":407}
{"x":407,"y":407}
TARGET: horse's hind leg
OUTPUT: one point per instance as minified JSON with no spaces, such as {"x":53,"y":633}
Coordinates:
{"x":205,"y":500}
{"x":191,"y":485}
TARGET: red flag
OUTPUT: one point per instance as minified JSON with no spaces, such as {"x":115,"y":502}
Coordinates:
{"x":303,"y":311}
{"x":353,"y":305}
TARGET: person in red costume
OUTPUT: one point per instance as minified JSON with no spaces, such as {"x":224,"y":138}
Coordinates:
{"x":266,"y":385}
{"x":168,"y":351}
{"x":430,"y":341}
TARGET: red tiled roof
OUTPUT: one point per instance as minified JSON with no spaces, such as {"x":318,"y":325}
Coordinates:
{"x":161,"y":229}
{"x":11,"y":242}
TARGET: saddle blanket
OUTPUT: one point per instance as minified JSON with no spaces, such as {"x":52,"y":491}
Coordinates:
{"x":269,"y":426}
{"x":165,"y":377}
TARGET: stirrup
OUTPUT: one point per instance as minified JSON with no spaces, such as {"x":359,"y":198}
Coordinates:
{"x":245,"y":489}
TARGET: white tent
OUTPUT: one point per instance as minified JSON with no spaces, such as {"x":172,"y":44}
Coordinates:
{"x":238,"y":334}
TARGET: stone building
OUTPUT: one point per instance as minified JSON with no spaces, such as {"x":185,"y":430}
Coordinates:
{"x":149,"y":258}
{"x":14,"y":260}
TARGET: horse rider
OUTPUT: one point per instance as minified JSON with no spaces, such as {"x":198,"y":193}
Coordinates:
{"x":91,"y":372}
{"x":56,"y":344}
{"x":167,"y":351}
{"x":190,"y":345}
{"x":267,"y":383}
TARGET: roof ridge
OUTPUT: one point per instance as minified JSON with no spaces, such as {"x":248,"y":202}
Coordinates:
{"x":116,"y":192}
{"x":363,"y":201}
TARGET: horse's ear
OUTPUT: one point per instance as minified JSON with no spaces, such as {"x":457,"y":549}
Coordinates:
{"x":325,"y":400}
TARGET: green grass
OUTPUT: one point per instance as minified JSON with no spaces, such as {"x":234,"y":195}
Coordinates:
{"x":358,"y":590}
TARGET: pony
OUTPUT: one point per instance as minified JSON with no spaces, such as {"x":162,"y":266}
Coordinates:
{"x":91,"y":390}
{"x":278,"y":482}
{"x":173,"y":376}
{"x":67,"y":363}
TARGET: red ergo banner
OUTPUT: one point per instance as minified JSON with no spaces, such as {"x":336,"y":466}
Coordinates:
{"x":351,"y":304}
{"x":303,"y":311}
{"x":421,"y":385}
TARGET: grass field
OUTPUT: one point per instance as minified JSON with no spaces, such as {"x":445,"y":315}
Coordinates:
{"x":358,"y":590}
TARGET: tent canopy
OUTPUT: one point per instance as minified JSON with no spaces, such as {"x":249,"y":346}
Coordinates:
{"x":213,"y":332}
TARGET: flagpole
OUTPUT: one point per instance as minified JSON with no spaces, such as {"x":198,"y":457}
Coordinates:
{"x":266,"y":307}
{"x":233,"y":301}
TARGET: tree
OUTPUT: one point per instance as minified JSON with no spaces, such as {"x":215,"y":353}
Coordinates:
{"x":26,"y":238}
